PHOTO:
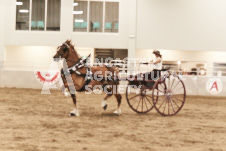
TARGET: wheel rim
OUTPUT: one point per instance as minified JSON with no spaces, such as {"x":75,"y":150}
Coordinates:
{"x":169,"y":95}
{"x":139,"y":99}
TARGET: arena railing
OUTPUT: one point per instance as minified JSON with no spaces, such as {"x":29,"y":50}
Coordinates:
{"x":20,"y":74}
{"x":123,"y":67}
{"x":24,"y":65}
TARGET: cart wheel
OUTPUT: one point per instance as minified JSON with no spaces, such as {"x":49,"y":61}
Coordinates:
{"x":139,"y":98}
{"x":169,"y":95}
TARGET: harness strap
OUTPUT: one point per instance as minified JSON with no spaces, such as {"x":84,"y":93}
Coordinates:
{"x":88,"y":76}
{"x":88,"y":79}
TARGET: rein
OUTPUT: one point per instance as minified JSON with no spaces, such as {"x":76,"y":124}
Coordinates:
{"x":78,"y":64}
{"x":74,"y":60}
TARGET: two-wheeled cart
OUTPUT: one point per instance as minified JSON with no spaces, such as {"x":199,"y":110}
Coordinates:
{"x":167,"y":94}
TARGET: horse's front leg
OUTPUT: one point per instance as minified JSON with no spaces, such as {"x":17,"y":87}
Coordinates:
{"x":64,"y":86}
{"x":75,"y":111}
{"x":69,"y":87}
{"x":65,"y":90}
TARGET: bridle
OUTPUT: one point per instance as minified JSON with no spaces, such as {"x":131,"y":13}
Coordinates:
{"x":68,"y":47}
{"x":77,"y":64}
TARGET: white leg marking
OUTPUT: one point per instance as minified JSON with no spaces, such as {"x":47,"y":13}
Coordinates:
{"x":118,"y":111}
{"x":104,"y":104}
{"x":66,"y":93}
{"x":74,"y":112}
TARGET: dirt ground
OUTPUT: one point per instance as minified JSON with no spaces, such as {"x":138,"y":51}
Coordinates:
{"x":31,"y":121}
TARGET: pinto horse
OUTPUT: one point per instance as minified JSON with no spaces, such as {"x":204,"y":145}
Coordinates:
{"x":76,"y":69}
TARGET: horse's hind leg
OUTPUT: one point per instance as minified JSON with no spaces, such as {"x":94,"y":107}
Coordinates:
{"x":119,"y":98}
{"x":104,"y":101}
{"x":75,"y":111}
{"x":110,"y":92}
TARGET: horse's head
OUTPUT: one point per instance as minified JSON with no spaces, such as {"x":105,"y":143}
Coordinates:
{"x":62,"y":51}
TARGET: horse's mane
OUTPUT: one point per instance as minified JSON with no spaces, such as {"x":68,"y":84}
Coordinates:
{"x":73,"y":48}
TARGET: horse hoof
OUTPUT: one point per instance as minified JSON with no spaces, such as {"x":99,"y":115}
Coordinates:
{"x":104,"y":104}
{"x":71,"y":114}
{"x":105,"y":107}
{"x":118,"y":112}
{"x":66,"y":94}
{"x":74,"y":113}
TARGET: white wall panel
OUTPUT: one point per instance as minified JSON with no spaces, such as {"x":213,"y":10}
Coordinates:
{"x":2,"y":29}
{"x":32,"y":57}
{"x":176,"y":55}
{"x":181,"y":24}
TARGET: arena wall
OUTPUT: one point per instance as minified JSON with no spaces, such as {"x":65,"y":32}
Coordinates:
{"x":195,"y":85}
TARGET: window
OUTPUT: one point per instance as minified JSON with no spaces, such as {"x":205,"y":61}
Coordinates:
{"x":80,"y":15}
{"x":38,"y":15}
{"x":96,"y":16}
{"x":44,"y":15}
{"x":53,"y":15}
{"x":23,"y":12}
{"x":219,"y":69}
{"x":111,"y":17}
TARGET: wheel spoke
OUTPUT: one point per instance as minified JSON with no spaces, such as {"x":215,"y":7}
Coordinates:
{"x":162,"y":103}
{"x":148,"y":96}
{"x":178,"y":95}
{"x":134,"y":103}
{"x":149,"y":100}
{"x":165,"y":107}
{"x":168,"y":107}
{"x":179,"y":99}
{"x":162,"y":87}
{"x":139,"y":103}
{"x":169,"y":82}
{"x":142,"y":103}
{"x":146,"y":104}
{"x":172,"y":83}
{"x":172,"y":105}
{"x":176,"y":85}
{"x":173,"y":91}
{"x":134,"y":96}
{"x":162,"y":97}
{"x":175,"y":103}
{"x":160,"y":91}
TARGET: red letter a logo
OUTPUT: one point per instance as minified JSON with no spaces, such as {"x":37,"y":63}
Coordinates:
{"x":214,"y":86}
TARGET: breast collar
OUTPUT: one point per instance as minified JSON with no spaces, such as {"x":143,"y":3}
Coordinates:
{"x":78,"y":65}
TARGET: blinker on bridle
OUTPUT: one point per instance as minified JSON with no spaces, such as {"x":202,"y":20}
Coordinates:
{"x":68,"y":48}
{"x":66,"y":45}
{"x":62,"y":45}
